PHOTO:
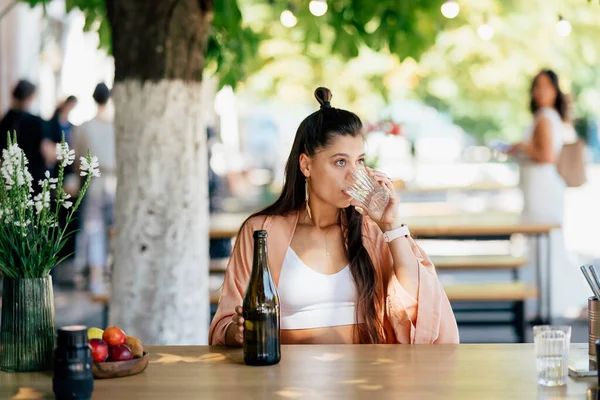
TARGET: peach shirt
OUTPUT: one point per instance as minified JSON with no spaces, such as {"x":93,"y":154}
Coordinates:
{"x":427,"y":319}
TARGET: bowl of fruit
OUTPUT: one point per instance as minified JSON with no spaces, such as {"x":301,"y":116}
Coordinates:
{"x":115,"y":354}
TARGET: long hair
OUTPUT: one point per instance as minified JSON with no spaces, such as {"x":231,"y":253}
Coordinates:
{"x":560,"y":104}
{"x":314,"y":133}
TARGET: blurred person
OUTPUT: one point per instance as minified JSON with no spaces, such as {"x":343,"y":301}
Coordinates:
{"x":339,"y":279}
{"x":60,"y":123}
{"x":540,"y":148}
{"x":544,"y":189}
{"x":31,"y":131}
{"x":98,"y":135}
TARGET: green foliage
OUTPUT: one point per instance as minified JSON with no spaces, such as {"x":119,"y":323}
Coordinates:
{"x":239,"y":27}
{"x":485,"y":84}
{"x":232,"y":48}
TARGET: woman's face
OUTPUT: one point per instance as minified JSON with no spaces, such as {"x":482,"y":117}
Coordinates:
{"x":329,"y":167}
{"x":543,"y":92}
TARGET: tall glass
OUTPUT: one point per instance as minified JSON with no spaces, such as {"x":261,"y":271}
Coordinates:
{"x":367,"y":191}
{"x":552,"y":353}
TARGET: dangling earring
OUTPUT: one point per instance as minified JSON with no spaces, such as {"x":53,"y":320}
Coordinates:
{"x":306,"y":195}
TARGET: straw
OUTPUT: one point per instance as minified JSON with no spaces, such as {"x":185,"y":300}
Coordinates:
{"x":591,"y":281}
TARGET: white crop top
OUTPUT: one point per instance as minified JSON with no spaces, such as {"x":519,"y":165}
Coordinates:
{"x":310,"y":299}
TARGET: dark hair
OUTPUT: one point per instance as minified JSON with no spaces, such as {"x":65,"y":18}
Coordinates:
{"x":23,"y":90}
{"x":560,"y":104}
{"x":101,"y":94}
{"x":58,"y":110}
{"x":314,"y":133}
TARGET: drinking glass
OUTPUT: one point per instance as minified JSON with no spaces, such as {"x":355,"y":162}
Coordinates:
{"x":368,"y":192}
{"x":552,"y":351}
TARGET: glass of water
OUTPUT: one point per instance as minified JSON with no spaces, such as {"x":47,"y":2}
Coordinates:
{"x":367,"y":191}
{"x":552,"y":352}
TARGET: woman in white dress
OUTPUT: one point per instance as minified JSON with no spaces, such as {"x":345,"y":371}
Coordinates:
{"x":544,"y":189}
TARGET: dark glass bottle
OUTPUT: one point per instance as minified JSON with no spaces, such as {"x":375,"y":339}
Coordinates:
{"x":262,"y":341}
{"x":73,"y":379}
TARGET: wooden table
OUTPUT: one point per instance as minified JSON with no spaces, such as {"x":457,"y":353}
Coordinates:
{"x":327,"y":372}
{"x":224,"y":226}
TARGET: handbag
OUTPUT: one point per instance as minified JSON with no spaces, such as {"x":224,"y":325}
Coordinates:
{"x":571,"y":163}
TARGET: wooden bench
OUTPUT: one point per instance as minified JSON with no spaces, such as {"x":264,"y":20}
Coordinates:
{"x":488,"y":299}
{"x":218,"y":265}
{"x":104,"y":300}
{"x":510,"y":291}
{"x":480,"y":295}
{"x":478,"y":262}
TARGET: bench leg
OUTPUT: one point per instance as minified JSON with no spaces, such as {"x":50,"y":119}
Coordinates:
{"x":519,"y":321}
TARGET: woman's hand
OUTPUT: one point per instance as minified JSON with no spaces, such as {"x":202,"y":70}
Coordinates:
{"x":388,"y":219}
{"x":235,"y":330}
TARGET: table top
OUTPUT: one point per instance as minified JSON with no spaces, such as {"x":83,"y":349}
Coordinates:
{"x":484,"y":371}
{"x":460,"y":224}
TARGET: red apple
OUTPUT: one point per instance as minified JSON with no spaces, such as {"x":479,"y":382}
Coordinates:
{"x":119,"y":353}
{"x":99,"y":350}
{"x":114,"y":336}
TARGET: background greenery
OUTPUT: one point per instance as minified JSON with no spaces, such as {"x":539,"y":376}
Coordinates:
{"x":373,"y":53}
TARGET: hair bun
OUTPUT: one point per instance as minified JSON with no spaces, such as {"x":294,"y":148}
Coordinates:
{"x":323,"y":96}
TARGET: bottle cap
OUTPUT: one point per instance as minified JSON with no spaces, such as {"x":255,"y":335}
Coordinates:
{"x":262,"y":234}
{"x":72,"y":336}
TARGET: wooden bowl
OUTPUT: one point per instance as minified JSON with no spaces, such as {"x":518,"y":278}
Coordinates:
{"x":118,"y":369}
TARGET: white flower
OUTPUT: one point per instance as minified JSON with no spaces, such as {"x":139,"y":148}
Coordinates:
{"x":47,"y":174}
{"x":13,"y":168}
{"x":14,"y":150}
{"x":67,"y":204}
{"x":29,"y":203}
{"x":64,"y":155}
{"x":91,"y":168}
{"x":20,"y":178}
{"x":53,"y":182}
{"x":39,"y":204}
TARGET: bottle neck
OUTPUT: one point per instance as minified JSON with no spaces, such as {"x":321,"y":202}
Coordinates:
{"x":260,"y":263}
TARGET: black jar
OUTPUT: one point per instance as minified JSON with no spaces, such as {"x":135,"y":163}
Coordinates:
{"x":73,"y":379}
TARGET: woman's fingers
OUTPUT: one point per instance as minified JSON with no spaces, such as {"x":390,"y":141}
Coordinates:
{"x":237,"y":317}
{"x":238,"y":320}
{"x":239,"y":336}
{"x":386,"y":182}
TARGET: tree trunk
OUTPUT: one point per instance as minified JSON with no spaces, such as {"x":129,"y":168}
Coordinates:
{"x":160,"y":276}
